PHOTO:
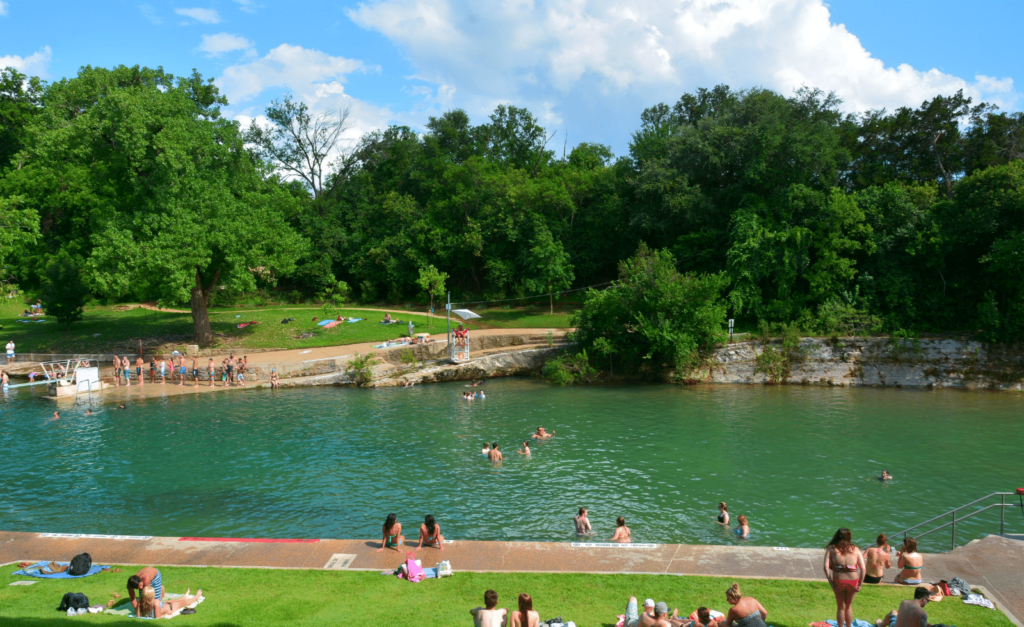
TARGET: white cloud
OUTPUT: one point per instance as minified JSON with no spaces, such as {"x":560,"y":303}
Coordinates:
{"x":298,"y":69}
{"x":215,"y":45}
{"x":314,"y":77}
{"x":32,"y":65}
{"x":3,"y":8}
{"x":545,"y":53}
{"x":247,"y":5}
{"x":206,"y":16}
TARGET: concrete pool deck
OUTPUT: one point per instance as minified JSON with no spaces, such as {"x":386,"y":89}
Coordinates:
{"x":993,"y":563}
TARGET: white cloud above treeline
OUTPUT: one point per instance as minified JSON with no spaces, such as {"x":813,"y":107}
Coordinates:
{"x":36,"y":64}
{"x":541,"y":51}
{"x":215,"y":45}
{"x":206,"y":16}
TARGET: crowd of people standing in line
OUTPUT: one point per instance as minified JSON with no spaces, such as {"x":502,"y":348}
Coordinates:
{"x":231,"y":371}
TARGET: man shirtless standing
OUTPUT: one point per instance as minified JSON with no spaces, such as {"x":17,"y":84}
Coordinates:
{"x":138,"y":369}
{"x":117,"y":370}
{"x":495,"y":454}
{"x":489,"y":616}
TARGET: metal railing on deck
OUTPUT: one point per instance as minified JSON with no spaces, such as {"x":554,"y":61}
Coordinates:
{"x":1002,"y":505}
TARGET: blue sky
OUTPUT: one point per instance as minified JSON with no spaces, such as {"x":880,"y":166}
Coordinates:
{"x":585,"y":67}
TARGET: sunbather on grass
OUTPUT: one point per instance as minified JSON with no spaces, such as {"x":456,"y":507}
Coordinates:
{"x":150,"y":607}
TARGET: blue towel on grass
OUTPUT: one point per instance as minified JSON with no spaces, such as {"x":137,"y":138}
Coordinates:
{"x":323,"y":322}
{"x":35,"y":570}
{"x":355,"y":320}
{"x":856,"y":623}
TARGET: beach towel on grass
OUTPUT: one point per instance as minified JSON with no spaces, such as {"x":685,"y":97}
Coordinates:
{"x":355,"y":320}
{"x":126,"y":609}
{"x":36,"y":570}
{"x":324,"y":323}
{"x":331,"y":324}
{"x":856,"y":623}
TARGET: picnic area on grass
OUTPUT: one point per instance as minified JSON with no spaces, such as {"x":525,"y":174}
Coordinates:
{"x":243,"y":596}
{"x":117,"y":328}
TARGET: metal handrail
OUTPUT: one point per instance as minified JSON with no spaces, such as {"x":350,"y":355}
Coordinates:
{"x":953,"y":512}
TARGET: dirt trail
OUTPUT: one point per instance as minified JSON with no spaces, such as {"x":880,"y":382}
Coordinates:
{"x":153,"y":307}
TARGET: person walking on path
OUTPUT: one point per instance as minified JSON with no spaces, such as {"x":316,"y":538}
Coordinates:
{"x":10,"y":352}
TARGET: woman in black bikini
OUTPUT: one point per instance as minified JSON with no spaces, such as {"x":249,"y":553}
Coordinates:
{"x":723,"y":514}
{"x":844,"y":570}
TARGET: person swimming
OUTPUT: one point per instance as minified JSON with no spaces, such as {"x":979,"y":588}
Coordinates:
{"x":526,"y":448}
{"x":583,"y":527}
{"x":486,"y":450}
{"x":542,"y":434}
{"x":723,"y":514}
{"x":885,"y":476}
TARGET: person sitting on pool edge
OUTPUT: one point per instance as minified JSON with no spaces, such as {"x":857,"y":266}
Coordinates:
{"x":430,"y":533}
{"x":489,"y":616}
{"x":910,"y":563}
{"x":148,"y":576}
{"x":150,"y":607}
{"x":392,"y":538}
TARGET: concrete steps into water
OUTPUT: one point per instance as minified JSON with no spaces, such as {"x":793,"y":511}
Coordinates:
{"x":993,"y":563}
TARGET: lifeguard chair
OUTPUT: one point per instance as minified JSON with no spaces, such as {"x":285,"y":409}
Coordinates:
{"x":458,"y":347}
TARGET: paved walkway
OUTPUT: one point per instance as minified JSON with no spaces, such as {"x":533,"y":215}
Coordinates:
{"x":993,"y":563}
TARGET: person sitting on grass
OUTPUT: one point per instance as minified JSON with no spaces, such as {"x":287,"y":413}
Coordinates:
{"x":745,"y":611}
{"x":430,"y":533}
{"x":910,"y":613}
{"x":703,"y":619}
{"x":393,"y":537}
{"x":490,"y":615}
{"x":387,"y":319}
{"x":147,"y":577}
{"x":150,"y":607}
{"x":635,"y":618}
{"x":525,"y":617}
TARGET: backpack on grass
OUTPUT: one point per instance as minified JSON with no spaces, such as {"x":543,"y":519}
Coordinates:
{"x":80,"y":565}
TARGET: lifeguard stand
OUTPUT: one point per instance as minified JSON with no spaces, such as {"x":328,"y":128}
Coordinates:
{"x":458,"y":348}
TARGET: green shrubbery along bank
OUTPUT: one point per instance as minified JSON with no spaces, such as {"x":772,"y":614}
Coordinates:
{"x":774,"y":208}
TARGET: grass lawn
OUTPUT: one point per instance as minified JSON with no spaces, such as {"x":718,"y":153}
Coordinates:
{"x":108,"y":329}
{"x":316,"y":597}
{"x":115,"y":329}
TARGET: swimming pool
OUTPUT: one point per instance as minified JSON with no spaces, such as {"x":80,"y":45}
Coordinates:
{"x":332,"y":462}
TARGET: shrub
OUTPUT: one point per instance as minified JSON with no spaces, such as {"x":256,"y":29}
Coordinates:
{"x":570,"y":369}
{"x":360,"y":368}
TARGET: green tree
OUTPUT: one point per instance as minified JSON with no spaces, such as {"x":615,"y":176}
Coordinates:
{"x":432,"y":281}
{"x":654,"y":315}
{"x":19,"y":227}
{"x":550,"y":267}
{"x":181,"y":209}
{"x":302,"y":144}
{"x":20,"y":101}
{"x":64,"y":293}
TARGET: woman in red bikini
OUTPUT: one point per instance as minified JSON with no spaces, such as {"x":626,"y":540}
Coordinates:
{"x":844,"y":569}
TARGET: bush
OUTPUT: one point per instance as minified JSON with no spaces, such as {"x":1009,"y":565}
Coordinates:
{"x":653,"y":315}
{"x":570,"y":369}
{"x":780,"y":350}
{"x":360,"y":369}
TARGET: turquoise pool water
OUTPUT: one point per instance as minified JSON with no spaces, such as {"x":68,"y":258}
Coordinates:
{"x":328,"y":463}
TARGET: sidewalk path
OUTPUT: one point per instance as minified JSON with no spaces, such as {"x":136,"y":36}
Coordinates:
{"x":993,"y":563}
